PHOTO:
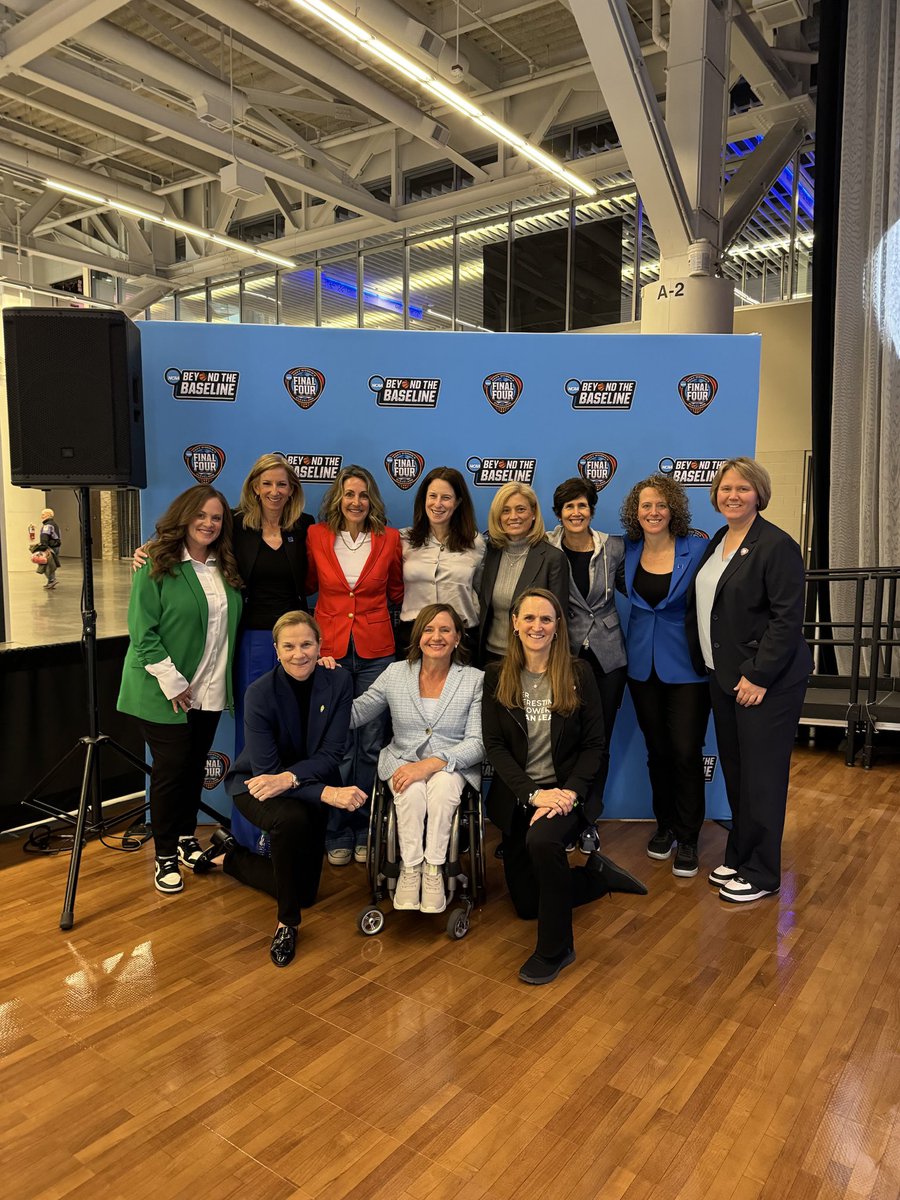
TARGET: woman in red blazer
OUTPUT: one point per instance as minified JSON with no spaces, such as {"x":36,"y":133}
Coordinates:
{"x":356,"y":566}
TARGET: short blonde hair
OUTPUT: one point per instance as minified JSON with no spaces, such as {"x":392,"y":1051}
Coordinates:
{"x":249,"y":504}
{"x":501,"y":498}
{"x":296,"y":617}
{"x":755,"y":474}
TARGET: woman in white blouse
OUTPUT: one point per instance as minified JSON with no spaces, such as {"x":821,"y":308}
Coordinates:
{"x":442,"y":554}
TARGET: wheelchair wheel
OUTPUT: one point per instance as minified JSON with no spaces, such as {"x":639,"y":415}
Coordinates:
{"x":370,"y":921}
{"x":458,"y":924}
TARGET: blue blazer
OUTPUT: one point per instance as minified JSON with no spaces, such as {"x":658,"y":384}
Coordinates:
{"x":656,"y":637}
{"x":272,"y":732}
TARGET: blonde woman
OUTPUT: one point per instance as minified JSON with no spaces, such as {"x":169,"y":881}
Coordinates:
{"x":518,"y":557}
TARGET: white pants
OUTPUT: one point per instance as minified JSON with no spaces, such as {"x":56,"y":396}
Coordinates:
{"x":437,"y":799}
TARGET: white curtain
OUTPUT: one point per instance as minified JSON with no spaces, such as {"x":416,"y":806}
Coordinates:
{"x":865,"y":448}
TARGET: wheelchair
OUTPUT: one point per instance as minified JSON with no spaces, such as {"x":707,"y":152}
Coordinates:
{"x":464,"y":870}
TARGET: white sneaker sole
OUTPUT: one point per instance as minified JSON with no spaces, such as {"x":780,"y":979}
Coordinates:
{"x":746,"y":898}
{"x":659,"y":856}
{"x":683,"y":874}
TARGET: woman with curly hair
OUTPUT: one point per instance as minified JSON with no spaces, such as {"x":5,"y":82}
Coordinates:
{"x":182,"y":622}
{"x":443,"y":554}
{"x":671,"y":701}
{"x":356,"y":566}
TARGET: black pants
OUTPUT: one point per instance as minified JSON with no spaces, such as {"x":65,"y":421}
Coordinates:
{"x":176,"y":780}
{"x":673,"y":719}
{"x":755,"y":747}
{"x":611,"y":685}
{"x":296,"y":832}
{"x":540,"y":881}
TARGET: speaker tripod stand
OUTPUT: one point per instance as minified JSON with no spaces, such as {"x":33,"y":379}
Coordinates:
{"x":89,"y":820}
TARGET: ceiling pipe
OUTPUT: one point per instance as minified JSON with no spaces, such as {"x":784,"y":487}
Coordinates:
{"x":313,"y":60}
{"x":43,"y":166}
{"x":656,"y":26}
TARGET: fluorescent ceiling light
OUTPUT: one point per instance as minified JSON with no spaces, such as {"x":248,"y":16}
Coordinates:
{"x":414,"y":72}
{"x":170,"y":223}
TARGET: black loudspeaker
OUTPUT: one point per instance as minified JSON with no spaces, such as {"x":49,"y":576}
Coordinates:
{"x":73,"y":386}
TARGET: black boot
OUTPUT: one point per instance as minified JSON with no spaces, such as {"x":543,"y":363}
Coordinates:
{"x":616,"y":878}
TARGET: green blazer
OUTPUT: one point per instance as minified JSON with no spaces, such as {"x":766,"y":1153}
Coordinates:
{"x":167,"y":618}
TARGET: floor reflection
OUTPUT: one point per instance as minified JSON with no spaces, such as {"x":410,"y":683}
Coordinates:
{"x":40,"y":617}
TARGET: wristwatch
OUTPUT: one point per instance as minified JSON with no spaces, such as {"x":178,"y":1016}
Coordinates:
{"x":295,"y":782}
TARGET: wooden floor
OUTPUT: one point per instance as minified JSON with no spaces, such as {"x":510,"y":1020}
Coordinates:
{"x":695,"y":1050}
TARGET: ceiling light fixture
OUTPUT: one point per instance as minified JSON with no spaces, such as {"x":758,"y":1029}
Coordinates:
{"x":169,"y":222}
{"x":414,"y":72}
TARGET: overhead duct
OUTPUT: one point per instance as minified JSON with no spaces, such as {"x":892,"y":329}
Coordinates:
{"x":410,"y":35}
{"x":776,"y":13}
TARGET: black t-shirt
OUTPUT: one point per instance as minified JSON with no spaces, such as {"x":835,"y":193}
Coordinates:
{"x":270,"y":588}
{"x":302,"y":689}
{"x":580,"y":562}
{"x":652,"y":588}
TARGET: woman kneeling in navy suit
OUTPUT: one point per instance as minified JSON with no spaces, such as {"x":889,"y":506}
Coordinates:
{"x":296,"y":722}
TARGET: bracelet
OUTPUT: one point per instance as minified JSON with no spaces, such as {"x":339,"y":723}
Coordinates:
{"x":295,"y":782}
{"x":532,"y":795}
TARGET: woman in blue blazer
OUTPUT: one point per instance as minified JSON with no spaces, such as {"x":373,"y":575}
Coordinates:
{"x":435,"y":706}
{"x":296,"y":721}
{"x":671,"y":700}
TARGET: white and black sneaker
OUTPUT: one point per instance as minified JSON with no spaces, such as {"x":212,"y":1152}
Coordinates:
{"x":589,"y":840}
{"x":742,"y":891}
{"x":189,"y":851}
{"x":167,"y":878}
{"x":660,"y":845}
{"x":686,"y":864}
{"x":721,"y":875}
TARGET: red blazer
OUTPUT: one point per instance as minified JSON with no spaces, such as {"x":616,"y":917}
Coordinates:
{"x":362,"y":612}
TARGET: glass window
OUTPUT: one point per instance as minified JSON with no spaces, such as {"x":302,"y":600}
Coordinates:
{"x":163,"y":310}
{"x":483,"y":271}
{"x":431,"y":283}
{"x":383,"y":288}
{"x":225,"y":303}
{"x":191,"y":306}
{"x":258,"y":301}
{"x":298,"y":296}
{"x":340,"y":294}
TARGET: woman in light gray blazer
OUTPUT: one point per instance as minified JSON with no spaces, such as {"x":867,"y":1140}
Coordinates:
{"x":435,"y":706}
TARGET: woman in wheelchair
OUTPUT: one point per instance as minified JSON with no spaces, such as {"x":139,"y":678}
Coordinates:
{"x":543,"y":735}
{"x":435,"y":706}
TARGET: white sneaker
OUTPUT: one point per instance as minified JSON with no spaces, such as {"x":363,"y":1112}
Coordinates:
{"x":742,"y":891}
{"x":340,"y":856}
{"x":166,"y":876}
{"x":722,"y":875}
{"x":434,"y":898}
{"x":409,"y":885}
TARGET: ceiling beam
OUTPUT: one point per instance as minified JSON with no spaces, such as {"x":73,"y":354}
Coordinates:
{"x":51,"y":24}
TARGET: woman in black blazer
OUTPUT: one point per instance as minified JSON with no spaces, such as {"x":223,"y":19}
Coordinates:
{"x":745,"y":628}
{"x":297,"y":718}
{"x":518,"y":557}
{"x":543,"y":735}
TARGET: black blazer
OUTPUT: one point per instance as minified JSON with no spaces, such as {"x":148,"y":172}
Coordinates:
{"x":578,"y":742}
{"x":272,"y":732}
{"x":757,"y":614}
{"x":246,"y":548}
{"x":544,"y":567}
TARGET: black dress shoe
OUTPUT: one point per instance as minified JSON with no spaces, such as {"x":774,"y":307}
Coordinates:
{"x":220,"y":843}
{"x":538,"y":970}
{"x":284,"y":945}
{"x":616,"y":878}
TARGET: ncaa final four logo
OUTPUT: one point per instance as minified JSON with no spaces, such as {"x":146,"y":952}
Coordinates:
{"x":392,"y":391}
{"x":204,"y":462}
{"x":304,"y":385}
{"x":217,"y":765}
{"x":697,"y":392}
{"x":202,"y":385}
{"x":597,"y":468}
{"x":404,"y":467}
{"x":502,"y":390}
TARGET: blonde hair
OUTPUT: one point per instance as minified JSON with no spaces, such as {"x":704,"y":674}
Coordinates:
{"x":501,"y":498}
{"x":564,"y":693}
{"x":755,"y":474}
{"x":249,"y":505}
{"x":295,"y":617}
{"x":330,"y":513}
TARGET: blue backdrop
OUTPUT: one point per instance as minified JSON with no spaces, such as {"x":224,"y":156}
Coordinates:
{"x":532,"y":407}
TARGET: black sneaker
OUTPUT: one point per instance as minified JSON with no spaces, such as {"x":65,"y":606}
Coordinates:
{"x":589,"y":841}
{"x":538,"y":970}
{"x":166,"y":876}
{"x":686,"y":863}
{"x":660,"y":845}
{"x":189,"y":850}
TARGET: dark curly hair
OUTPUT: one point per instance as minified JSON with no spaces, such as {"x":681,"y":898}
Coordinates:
{"x":673,"y":494}
{"x":171,"y":528}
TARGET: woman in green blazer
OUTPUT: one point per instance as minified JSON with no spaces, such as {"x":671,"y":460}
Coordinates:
{"x":182,"y":620}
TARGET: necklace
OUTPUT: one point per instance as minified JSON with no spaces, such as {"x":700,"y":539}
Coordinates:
{"x":350,"y":546}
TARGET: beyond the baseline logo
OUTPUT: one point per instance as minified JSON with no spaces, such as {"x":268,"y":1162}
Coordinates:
{"x":691,"y":472}
{"x":601,"y":393}
{"x":404,"y":391}
{"x":202,"y":385}
{"x":490,"y":472}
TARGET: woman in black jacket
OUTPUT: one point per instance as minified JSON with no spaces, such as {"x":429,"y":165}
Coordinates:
{"x":745,"y":629}
{"x":544,"y":737}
